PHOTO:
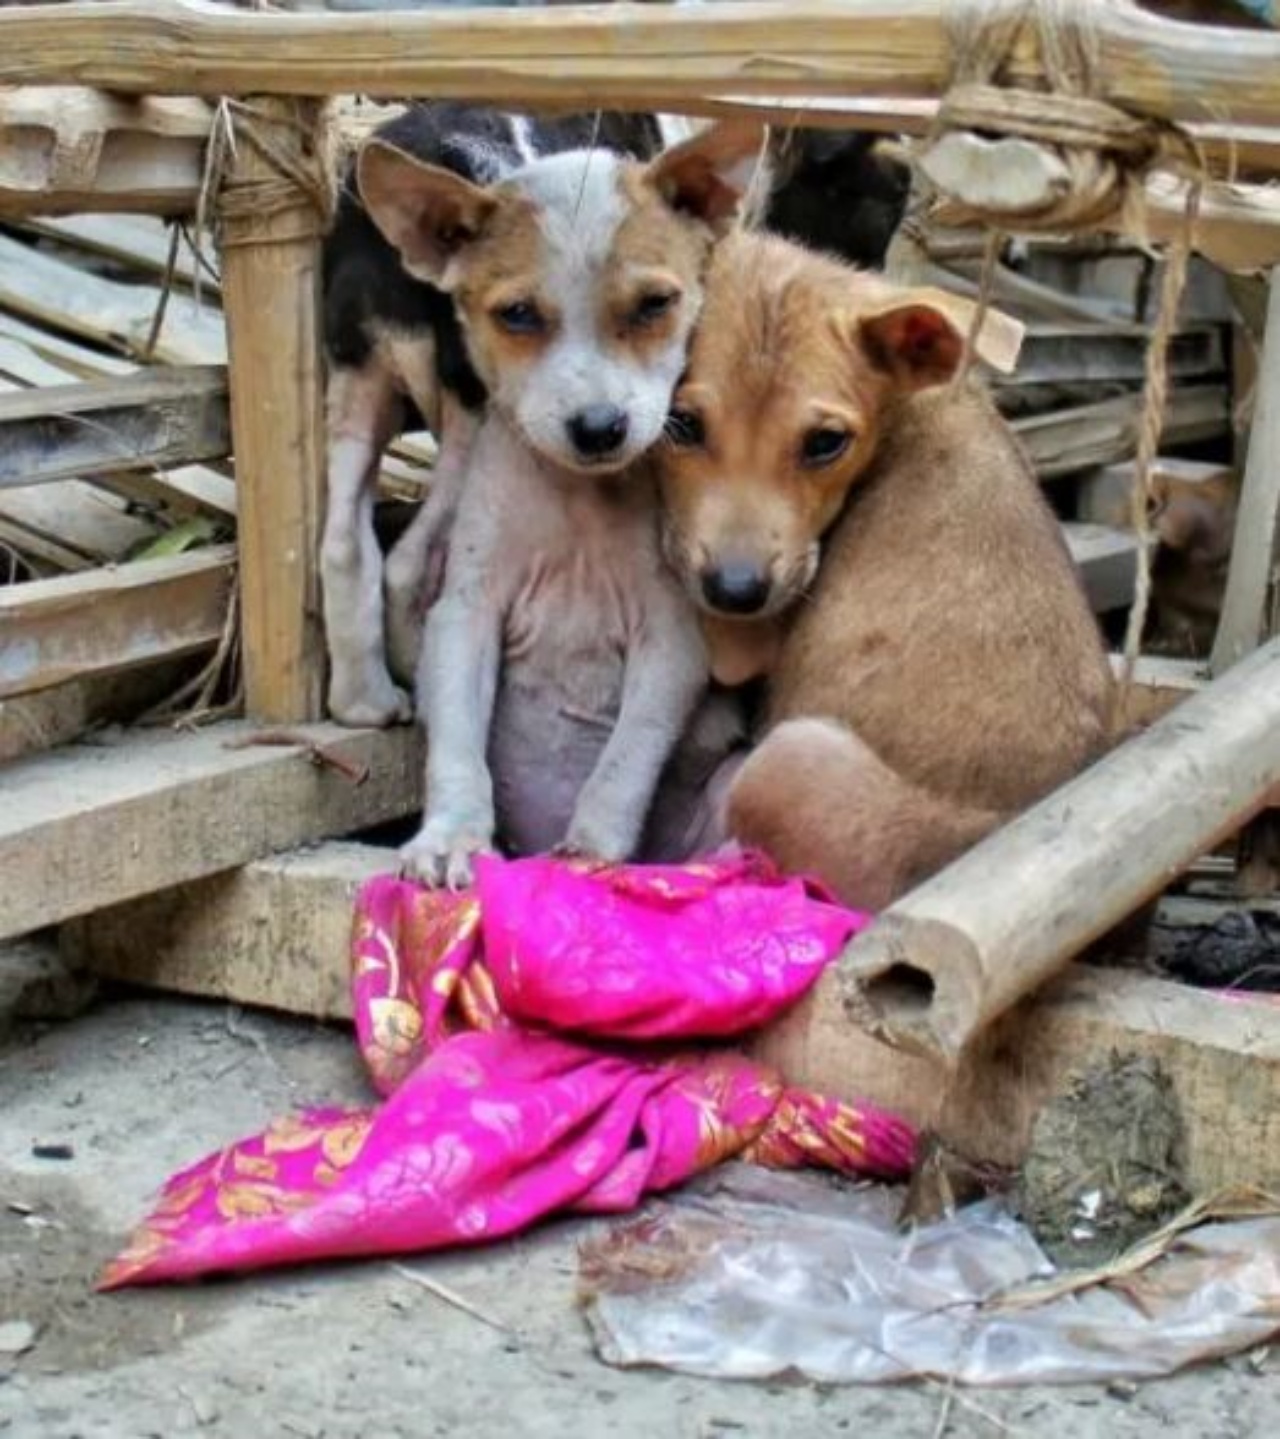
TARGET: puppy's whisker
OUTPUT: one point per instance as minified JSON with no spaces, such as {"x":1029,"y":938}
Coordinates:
{"x":591,"y":150}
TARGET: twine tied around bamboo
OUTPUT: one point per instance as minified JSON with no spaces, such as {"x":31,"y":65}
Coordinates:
{"x":1058,"y":158}
{"x":1050,"y":157}
{"x":298,"y":140}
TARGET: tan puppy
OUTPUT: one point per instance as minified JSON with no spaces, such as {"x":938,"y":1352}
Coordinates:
{"x":943,"y":670}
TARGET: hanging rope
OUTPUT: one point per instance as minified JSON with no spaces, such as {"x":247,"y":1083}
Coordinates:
{"x":1056,"y":157}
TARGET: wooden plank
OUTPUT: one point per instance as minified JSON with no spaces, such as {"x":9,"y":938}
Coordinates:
{"x":1105,"y":497}
{"x":106,"y":621}
{"x":136,"y":240}
{"x":949,"y":958}
{"x":626,"y":56}
{"x":1064,"y":441}
{"x":79,"y":518}
{"x":1222,"y":1055}
{"x":1238,"y":227}
{"x":1159,"y":684}
{"x":277,"y":933}
{"x":67,"y":149}
{"x":75,"y":360}
{"x":91,"y":826}
{"x":152,"y":419}
{"x":50,"y":291}
{"x":1108,"y":563}
{"x":271,"y":273}
{"x":1249,"y":604}
{"x":32,"y":723}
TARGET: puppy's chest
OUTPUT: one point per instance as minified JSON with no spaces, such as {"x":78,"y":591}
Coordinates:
{"x":582,"y":580}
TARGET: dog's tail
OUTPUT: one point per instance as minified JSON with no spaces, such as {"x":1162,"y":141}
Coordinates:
{"x":821,"y":802}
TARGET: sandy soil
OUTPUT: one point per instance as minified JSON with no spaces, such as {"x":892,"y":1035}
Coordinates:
{"x":138,"y":1086}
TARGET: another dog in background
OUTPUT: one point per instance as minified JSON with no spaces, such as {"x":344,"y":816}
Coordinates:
{"x":561,"y":663}
{"x":940,"y":670}
{"x":837,"y":191}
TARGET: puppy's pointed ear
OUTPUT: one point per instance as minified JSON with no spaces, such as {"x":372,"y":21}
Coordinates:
{"x":427,"y":213}
{"x":918,"y":337}
{"x":708,"y":175}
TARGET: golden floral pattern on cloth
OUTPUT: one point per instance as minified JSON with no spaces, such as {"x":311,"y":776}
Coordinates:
{"x":491,"y":1022}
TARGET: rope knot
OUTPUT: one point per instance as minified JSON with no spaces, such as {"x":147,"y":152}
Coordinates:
{"x":1056,"y":158}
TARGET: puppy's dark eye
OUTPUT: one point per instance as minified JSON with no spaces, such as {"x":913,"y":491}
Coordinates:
{"x":823,"y":446}
{"x":521,"y":318}
{"x":652,"y":307}
{"x":685,"y":428}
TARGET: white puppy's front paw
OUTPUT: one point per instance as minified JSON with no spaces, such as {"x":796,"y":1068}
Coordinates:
{"x":606,"y":837}
{"x":443,"y":852}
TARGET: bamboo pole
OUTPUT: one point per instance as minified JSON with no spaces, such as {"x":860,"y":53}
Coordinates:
{"x":958,"y":951}
{"x":624,"y":56}
{"x":1248,"y":607}
{"x":271,"y":294}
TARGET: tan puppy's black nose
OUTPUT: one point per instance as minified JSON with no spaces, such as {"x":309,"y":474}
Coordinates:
{"x":736,"y":588}
{"x":598,"y":431}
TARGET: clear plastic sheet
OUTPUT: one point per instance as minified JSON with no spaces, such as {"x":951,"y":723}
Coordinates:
{"x":756,"y":1274}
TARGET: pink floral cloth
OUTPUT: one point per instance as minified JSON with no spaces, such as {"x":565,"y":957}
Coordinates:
{"x":534,"y":1039}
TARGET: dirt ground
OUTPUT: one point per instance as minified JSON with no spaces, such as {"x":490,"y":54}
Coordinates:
{"x":136,"y":1086}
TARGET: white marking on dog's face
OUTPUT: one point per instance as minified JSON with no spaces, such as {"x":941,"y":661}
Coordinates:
{"x":578,"y":303}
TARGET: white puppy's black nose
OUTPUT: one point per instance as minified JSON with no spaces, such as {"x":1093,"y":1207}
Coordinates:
{"x":736,"y":588}
{"x":598,"y":431}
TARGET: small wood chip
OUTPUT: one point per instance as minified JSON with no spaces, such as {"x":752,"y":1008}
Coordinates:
{"x":450,"y":1296}
{"x":17,"y":1337}
{"x":52,"y":1151}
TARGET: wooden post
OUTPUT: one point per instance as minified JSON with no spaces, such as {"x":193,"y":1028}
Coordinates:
{"x":1248,"y":607}
{"x":271,"y":233}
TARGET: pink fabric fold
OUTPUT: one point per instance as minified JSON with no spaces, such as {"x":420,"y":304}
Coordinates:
{"x":534,"y":1040}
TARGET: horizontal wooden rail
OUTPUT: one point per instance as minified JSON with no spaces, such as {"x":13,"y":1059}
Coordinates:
{"x":616,"y":55}
{"x":107,"y":621}
{"x":157,"y":418}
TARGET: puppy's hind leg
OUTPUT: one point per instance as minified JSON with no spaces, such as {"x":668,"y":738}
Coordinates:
{"x":364,"y":413}
{"x":415,"y":567}
{"x":821,"y":802}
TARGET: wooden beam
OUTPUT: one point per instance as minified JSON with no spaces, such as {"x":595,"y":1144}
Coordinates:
{"x":91,"y":826}
{"x":277,"y":933}
{"x":50,"y":291}
{"x":271,"y":290}
{"x":1249,"y":604}
{"x":106,"y":621}
{"x":949,"y":958}
{"x":625,"y":56}
{"x":1222,"y":1055}
{"x":1064,"y":441}
{"x":32,"y":723}
{"x":1159,"y":685}
{"x":1238,"y":227}
{"x":1108,"y":563}
{"x":65,"y":149}
{"x":156,"y":418}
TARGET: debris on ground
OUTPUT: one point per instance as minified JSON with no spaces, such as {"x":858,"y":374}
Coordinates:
{"x":1105,"y":1165}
